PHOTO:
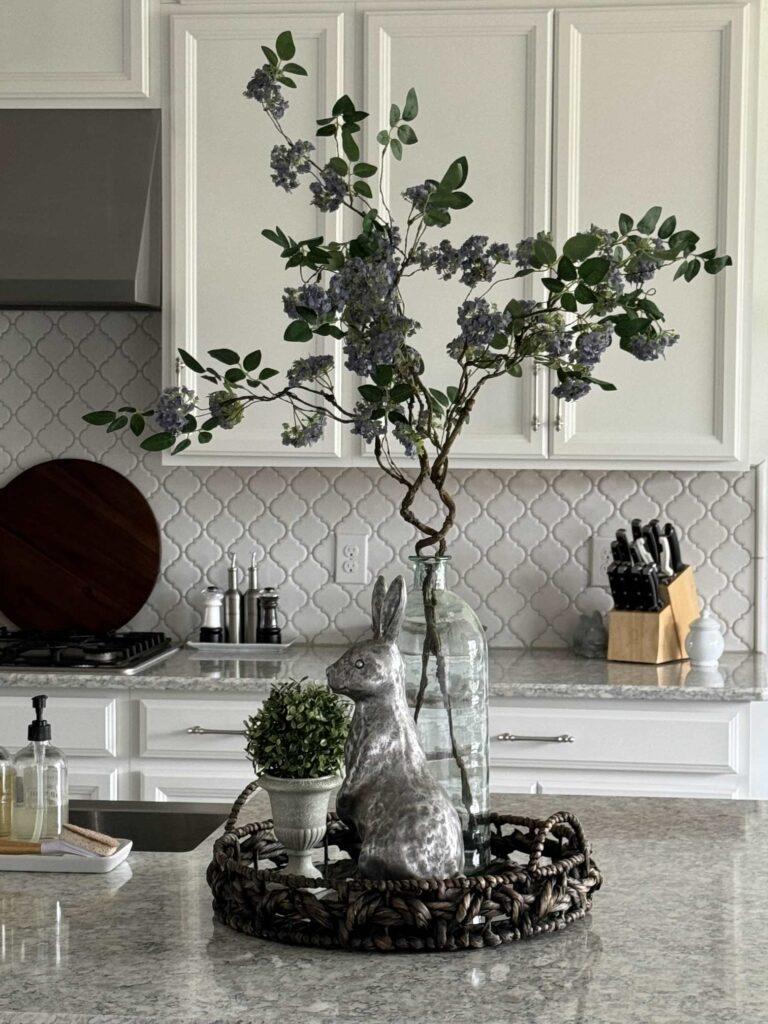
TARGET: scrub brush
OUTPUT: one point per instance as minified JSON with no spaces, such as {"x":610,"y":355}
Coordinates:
{"x":74,"y":840}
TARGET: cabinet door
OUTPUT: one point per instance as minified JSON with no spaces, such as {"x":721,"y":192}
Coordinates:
{"x":217,"y":785}
{"x":482,"y":80}
{"x":226,"y":279}
{"x":652,"y":109}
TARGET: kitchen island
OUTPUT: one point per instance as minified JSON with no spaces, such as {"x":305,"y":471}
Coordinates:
{"x":678,"y":933}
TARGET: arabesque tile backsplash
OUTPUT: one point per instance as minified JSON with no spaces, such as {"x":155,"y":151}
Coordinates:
{"x":521,"y":557}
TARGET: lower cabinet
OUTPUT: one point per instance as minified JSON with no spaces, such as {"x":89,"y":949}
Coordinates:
{"x":220,"y":784}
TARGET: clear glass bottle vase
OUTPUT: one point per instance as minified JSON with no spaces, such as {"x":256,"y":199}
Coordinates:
{"x":446,"y":678}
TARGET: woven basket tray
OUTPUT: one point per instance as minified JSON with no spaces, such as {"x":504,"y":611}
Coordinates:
{"x":542,"y":879}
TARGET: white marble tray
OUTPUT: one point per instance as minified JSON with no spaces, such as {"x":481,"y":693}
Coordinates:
{"x":68,"y":862}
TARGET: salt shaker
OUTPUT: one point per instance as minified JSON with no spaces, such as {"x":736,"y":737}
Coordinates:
{"x":704,"y":643}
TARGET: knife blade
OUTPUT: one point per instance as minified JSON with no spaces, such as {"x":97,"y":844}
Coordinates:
{"x":674,"y":549}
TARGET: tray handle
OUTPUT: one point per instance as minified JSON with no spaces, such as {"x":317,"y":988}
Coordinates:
{"x":237,"y":806}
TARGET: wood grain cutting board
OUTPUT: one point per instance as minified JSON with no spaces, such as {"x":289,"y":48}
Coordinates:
{"x":79,"y":547}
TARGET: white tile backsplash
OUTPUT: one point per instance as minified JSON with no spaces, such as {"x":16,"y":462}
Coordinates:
{"x":521,"y":557}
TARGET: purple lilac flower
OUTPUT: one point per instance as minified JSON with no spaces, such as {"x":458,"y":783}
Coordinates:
{"x":306,"y":433}
{"x":571,"y":389}
{"x":329,"y":193}
{"x":442,"y":258}
{"x":647,"y":347}
{"x":480,"y":322}
{"x":590,"y":346}
{"x":408,"y":437}
{"x":363,"y":424}
{"x":288,"y":162}
{"x":547,"y":331}
{"x":606,"y":239}
{"x":311,"y":295}
{"x":227,"y":410}
{"x":311,"y":368}
{"x":524,"y":253}
{"x":417,"y":195}
{"x":264,"y":89}
{"x":500,"y":252}
{"x":173,"y":407}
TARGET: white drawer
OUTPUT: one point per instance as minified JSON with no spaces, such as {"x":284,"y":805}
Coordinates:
{"x":164,"y":728}
{"x":624,"y":737}
{"x":80,"y":726}
{"x":216,"y":786}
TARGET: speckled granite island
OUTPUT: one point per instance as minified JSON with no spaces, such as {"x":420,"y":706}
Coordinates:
{"x":678,"y":934}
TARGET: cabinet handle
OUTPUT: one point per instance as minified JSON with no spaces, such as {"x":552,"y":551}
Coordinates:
{"x":198,"y":730}
{"x":508,"y":737}
{"x":535,"y":421}
{"x":559,"y":415}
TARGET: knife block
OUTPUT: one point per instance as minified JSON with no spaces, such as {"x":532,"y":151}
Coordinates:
{"x":652,"y":638}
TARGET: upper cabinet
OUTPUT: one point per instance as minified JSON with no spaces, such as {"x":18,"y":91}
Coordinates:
{"x":653,"y":108}
{"x":71,"y":50}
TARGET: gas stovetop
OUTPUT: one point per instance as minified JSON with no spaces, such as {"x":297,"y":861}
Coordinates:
{"x":35,"y":651}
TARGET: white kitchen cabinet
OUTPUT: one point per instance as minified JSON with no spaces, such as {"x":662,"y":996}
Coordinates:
{"x":96,"y":783}
{"x":651,"y":104}
{"x":73,"y":50}
{"x":206,"y":729}
{"x":654,"y":107}
{"x":218,"y":785}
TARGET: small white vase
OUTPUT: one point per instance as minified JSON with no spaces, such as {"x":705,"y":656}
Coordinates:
{"x":299,"y":812}
{"x":704,"y":643}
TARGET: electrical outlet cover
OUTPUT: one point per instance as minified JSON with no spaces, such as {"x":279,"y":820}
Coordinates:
{"x":351,"y":557}
{"x":600,"y":559}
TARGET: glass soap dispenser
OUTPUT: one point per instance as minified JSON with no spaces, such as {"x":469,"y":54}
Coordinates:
{"x":6,"y":792}
{"x":41,"y":804}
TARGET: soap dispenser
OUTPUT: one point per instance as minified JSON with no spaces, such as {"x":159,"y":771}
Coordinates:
{"x":41,"y":803}
{"x":6,"y":792}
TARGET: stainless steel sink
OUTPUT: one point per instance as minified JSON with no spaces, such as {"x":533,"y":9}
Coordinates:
{"x":159,"y":827}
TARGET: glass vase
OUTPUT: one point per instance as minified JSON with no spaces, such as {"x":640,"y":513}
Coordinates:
{"x":446,"y":677}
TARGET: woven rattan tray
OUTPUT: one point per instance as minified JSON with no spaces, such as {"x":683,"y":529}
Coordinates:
{"x":542,"y":879}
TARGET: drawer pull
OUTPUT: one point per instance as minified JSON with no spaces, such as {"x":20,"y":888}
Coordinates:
{"x":508,"y":737}
{"x":198,"y":730}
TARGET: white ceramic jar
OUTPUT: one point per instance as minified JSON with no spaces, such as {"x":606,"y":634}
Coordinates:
{"x":704,"y":643}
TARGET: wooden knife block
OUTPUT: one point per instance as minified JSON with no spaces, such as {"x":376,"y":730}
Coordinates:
{"x":652,"y":638}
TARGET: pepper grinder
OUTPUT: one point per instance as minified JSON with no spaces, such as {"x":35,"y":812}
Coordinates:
{"x":251,"y":606}
{"x":268,"y":631}
{"x":232,"y":613}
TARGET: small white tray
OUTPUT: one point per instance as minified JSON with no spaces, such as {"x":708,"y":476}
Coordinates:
{"x":230,"y":651}
{"x":69,"y":862}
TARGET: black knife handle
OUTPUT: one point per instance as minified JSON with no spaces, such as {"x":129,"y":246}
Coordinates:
{"x":637,"y":528}
{"x":651,"y":543}
{"x":674,"y":548}
{"x":623,"y":541}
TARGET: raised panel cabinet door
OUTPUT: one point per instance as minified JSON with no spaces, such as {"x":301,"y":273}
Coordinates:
{"x":483,"y":84}
{"x":73,"y":49}
{"x":653,"y":107}
{"x":226,"y":279}
{"x":217,"y":785}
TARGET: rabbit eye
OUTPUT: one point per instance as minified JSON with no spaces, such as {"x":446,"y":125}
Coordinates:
{"x":359,"y":663}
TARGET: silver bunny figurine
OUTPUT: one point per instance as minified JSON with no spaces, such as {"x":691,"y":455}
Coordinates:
{"x":407,"y":825}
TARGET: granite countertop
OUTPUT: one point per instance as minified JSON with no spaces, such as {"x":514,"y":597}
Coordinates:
{"x":678,"y":933}
{"x":514,"y":673}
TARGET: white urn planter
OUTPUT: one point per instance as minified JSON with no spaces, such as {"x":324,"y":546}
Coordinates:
{"x":299,"y":812}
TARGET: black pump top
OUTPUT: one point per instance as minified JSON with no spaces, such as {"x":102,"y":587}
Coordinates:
{"x":39,"y":729}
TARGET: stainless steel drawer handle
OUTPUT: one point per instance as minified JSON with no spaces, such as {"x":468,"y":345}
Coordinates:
{"x":508,"y":737}
{"x":198,"y":730}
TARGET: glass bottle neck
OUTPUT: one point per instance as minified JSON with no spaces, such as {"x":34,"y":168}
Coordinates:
{"x":431,"y":568}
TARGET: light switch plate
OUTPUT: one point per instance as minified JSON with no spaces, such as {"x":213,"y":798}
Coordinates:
{"x":351,"y":557}
{"x":600,"y":559}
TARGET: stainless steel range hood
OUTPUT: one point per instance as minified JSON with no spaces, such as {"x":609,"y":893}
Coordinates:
{"x":80,"y":223}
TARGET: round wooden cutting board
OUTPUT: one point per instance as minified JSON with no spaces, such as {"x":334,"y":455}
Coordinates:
{"x":79,"y":548}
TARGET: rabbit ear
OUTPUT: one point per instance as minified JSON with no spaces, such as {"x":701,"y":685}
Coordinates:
{"x":377,"y":603}
{"x":394,"y":607}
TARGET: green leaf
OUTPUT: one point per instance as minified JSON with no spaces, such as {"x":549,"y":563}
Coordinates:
{"x":584,"y":295}
{"x":397,"y":149}
{"x":714,"y":266}
{"x":568,"y":302}
{"x":340,"y":166}
{"x":126,"y":408}
{"x":593,"y":270}
{"x":383,"y":137}
{"x":456,"y":174}
{"x":285,"y":46}
{"x":99,"y":419}
{"x":439,"y":396}
{"x":343,"y":105}
{"x":370,"y":392}
{"x":327,"y":130}
{"x":286,"y":81}
{"x":270,"y":55}
{"x":667,"y":227}
{"x":383,"y":375}
{"x":681,"y":270}
{"x":553,"y":285}
{"x":683,"y":241}
{"x":394,"y":115}
{"x":407,"y":135}
{"x":235,"y":375}
{"x":411,"y":108}
{"x":514,"y":308}
{"x":267,"y":373}
{"x":297,"y":331}
{"x":629,"y":326}
{"x":190,"y":361}
{"x":362,"y":188}
{"x":348,"y":144}
{"x":500,"y":341}
{"x":604,"y":385}
{"x":566,"y":269}
{"x":364,"y":170}
{"x":117,"y":424}
{"x":401,"y":392}
{"x":580,"y":247}
{"x":252,"y":361}
{"x":210,"y":424}
{"x":515,"y":370}
{"x":296,"y":69}
{"x":544,"y":252}
{"x":649,"y":220}
{"x":625,"y":223}
{"x":224,"y":355}
{"x":158,"y":442}
{"x":452,"y":392}
{"x":692,"y":269}
{"x":137,"y":424}
{"x":204,"y":436}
